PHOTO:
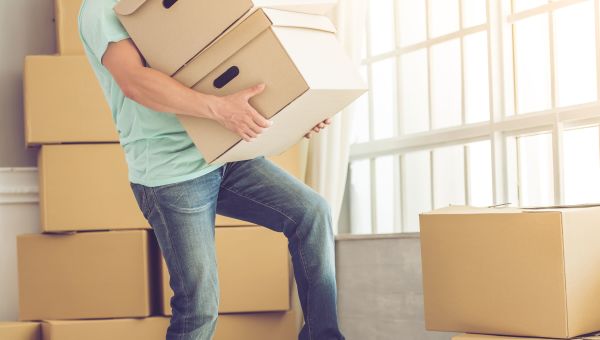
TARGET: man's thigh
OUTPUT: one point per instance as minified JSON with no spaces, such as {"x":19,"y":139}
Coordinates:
{"x":260,"y":192}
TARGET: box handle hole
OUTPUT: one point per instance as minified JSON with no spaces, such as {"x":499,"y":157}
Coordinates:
{"x":168,"y":3}
{"x":226,"y":77}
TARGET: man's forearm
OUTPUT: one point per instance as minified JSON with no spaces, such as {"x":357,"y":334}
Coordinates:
{"x":162,"y":93}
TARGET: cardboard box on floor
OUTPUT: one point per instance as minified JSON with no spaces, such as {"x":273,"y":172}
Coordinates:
{"x":254,"y":271}
{"x":308,"y":78}
{"x":499,"y":337}
{"x":195,"y":24}
{"x":248,"y":326}
{"x":66,"y":14}
{"x":515,"y":272}
{"x":20,"y":331}
{"x":87,"y":275}
{"x":153,"y":328}
{"x":64,"y":102}
{"x":80,"y":183}
{"x":85,"y":187}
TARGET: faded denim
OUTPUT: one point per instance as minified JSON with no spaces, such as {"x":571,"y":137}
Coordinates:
{"x":183,"y":217}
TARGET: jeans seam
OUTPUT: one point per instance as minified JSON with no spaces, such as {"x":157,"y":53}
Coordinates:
{"x":261,"y":203}
{"x":173,"y":249}
{"x":307,"y":282}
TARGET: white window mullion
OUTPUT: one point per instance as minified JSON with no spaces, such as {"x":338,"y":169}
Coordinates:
{"x":597,"y":20}
{"x":557,"y":157}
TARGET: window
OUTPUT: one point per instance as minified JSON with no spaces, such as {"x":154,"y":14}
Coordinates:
{"x":479,"y":102}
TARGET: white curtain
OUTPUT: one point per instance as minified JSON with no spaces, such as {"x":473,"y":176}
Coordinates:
{"x":328,"y":151}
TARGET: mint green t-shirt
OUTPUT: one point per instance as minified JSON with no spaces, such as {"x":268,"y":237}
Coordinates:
{"x":157,"y":148}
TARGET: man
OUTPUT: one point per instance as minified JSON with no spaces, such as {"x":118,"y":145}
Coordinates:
{"x":179,"y":193}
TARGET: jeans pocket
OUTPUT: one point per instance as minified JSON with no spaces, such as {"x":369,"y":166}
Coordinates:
{"x":189,"y":196}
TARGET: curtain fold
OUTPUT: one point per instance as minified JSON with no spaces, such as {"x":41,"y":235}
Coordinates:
{"x":329,"y":150}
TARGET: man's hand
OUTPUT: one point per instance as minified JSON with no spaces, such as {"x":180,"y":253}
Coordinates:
{"x":162,"y":93}
{"x":318,"y":128}
{"x":236,"y":114}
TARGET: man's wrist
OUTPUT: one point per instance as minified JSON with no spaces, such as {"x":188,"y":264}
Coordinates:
{"x":207,"y":106}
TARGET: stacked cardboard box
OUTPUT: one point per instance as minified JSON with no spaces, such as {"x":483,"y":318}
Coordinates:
{"x":97,"y":266}
{"x":515,"y":273}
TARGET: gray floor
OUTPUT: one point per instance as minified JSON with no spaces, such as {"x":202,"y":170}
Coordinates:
{"x":380,"y":290}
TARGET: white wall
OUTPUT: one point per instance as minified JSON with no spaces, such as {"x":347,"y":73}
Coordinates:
{"x":19,"y":214}
{"x":26,"y":27}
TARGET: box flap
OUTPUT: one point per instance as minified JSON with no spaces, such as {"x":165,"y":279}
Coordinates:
{"x":299,"y":20}
{"x":320,"y":7}
{"x":463,"y":209}
{"x":128,"y":7}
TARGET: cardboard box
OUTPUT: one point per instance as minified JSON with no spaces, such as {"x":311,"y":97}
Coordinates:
{"x":20,"y":331}
{"x":498,"y":337}
{"x":64,"y":102}
{"x":307,"y":74}
{"x":257,"y":326}
{"x":254,"y":271}
{"x":195,"y":24}
{"x":80,"y":183}
{"x":518,"y":272}
{"x":85,"y":187}
{"x":66,"y":15}
{"x":153,"y":328}
{"x":87,"y":275}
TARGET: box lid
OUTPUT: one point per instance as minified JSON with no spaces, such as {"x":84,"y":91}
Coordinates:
{"x":246,"y":30}
{"x":459,"y":209}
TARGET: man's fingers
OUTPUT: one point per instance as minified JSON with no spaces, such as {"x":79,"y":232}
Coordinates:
{"x":260,"y":120}
{"x":327,"y":121}
{"x":307,"y":135}
{"x":254,"y":90}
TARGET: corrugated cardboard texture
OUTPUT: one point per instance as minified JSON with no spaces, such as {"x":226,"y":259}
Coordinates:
{"x":85,"y":187}
{"x":494,"y":273}
{"x":153,"y":328}
{"x":284,"y":59}
{"x":67,"y":34}
{"x":20,"y":331}
{"x":85,"y":275}
{"x":254,"y":271}
{"x":582,"y":267}
{"x":64,"y":103}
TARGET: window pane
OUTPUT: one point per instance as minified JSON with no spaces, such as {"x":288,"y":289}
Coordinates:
{"x":574,"y":28}
{"x":360,"y":197}
{"x":536,"y":170}
{"x":381,"y":24}
{"x":474,"y":12}
{"x":361,"y":114}
{"x":385,"y":194}
{"x":415,"y":99}
{"x":417,"y":185}
{"x":383,"y":87}
{"x":443,"y":17}
{"x":512,"y":172}
{"x":446,"y":84}
{"x":521,"y":5}
{"x":581,"y":165}
{"x":448,"y":176}
{"x":412,"y":21}
{"x":477,"y":98}
{"x":480,"y":173}
{"x":532,"y":64}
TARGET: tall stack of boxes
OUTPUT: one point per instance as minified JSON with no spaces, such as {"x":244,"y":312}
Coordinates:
{"x":96,"y":271}
{"x":512,"y":274}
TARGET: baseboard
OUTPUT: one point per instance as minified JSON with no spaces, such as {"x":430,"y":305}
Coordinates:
{"x":19,"y":185}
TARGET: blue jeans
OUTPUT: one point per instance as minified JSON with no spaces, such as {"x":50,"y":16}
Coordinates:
{"x":183,"y":218}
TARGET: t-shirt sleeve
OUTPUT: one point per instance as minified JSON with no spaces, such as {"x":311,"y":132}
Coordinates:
{"x":99,"y":26}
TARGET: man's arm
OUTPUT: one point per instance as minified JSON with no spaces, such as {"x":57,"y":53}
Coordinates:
{"x":162,"y":93}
